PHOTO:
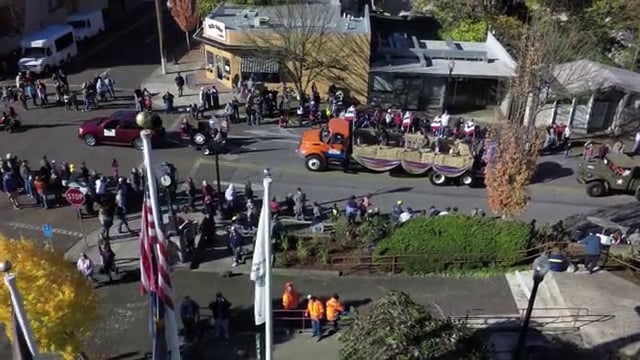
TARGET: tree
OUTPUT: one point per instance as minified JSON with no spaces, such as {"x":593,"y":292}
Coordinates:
{"x":511,"y":155}
{"x":60,"y":303}
{"x":205,"y":7}
{"x":513,"y":147}
{"x":185,"y":13}
{"x":545,"y":43}
{"x":303,"y":39}
{"x":395,"y":327}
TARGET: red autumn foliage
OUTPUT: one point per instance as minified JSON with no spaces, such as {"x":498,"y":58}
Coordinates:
{"x":512,"y":156}
{"x":185,"y":13}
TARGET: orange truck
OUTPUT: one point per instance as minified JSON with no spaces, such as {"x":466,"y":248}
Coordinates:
{"x":337,"y":145}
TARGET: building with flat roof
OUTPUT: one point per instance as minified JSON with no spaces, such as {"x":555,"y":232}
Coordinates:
{"x":242,"y":42}
{"x":412,"y":72}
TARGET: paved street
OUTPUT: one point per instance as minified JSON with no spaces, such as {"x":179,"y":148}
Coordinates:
{"x":131,"y":55}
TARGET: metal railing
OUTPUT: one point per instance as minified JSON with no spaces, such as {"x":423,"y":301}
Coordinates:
{"x":398,"y":263}
{"x":545,"y":319}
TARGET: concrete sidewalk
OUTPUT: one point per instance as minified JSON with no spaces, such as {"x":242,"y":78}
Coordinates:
{"x":602,"y":306}
{"x":191,"y":67}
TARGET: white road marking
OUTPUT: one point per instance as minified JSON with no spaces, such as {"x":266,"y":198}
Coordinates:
{"x":199,"y":162}
{"x":24,"y":226}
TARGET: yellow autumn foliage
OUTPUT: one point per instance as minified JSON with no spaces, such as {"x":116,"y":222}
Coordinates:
{"x":60,"y":303}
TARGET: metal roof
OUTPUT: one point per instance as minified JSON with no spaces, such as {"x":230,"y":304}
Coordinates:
{"x":402,"y":53}
{"x":586,"y":76}
{"x":237,"y":17}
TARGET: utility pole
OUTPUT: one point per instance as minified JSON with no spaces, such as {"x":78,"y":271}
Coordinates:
{"x":159,"y":21}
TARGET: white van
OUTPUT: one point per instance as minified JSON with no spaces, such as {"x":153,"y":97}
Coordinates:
{"x":86,"y":24}
{"x":47,"y":49}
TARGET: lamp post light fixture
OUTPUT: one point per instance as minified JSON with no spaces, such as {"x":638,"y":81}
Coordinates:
{"x":541,"y":267}
{"x":445,"y":101}
{"x":5,"y":266}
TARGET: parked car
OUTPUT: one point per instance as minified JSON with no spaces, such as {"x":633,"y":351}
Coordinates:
{"x":86,"y":24}
{"x":120,"y":128}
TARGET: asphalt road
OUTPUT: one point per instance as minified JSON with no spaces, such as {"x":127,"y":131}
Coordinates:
{"x":131,"y":55}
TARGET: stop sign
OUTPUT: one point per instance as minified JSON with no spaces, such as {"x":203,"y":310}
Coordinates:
{"x":75,"y":197}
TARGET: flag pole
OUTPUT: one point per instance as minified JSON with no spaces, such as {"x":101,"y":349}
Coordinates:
{"x":268,"y":326}
{"x":144,"y":120}
{"x":18,"y":309}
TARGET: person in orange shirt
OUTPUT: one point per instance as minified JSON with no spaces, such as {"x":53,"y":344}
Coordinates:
{"x":289,"y":297}
{"x":315,"y":310}
{"x":334,"y":309}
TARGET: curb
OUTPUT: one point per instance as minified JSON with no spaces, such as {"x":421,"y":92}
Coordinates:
{"x":277,"y":272}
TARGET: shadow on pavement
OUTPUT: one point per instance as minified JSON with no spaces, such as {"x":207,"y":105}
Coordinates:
{"x":548,"y":171}
{"x":560,"y":345}
{"x":403,"y":189}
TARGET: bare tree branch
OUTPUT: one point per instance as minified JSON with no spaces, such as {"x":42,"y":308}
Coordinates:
{"x":547,"y":42}
{"x":300,"y":37}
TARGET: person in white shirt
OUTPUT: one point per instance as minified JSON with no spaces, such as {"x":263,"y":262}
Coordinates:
{"x":85,"y":266}
{"x":636,"y":144}
{"x":469,"y":126}
{"x":436,"y":125}
{"x":101,"y":185}
{"x":388,"y":117}
{"x":230,"y":193}
{"x":406,"y":215}
{"x":444,"y":129}
{"x":406,"y":121}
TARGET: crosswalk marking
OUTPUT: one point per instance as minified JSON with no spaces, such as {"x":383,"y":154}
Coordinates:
{"x":31,"y":227}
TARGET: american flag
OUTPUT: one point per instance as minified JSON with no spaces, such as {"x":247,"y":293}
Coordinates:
{"x":155,"y":279}
{"x":160,"y":280}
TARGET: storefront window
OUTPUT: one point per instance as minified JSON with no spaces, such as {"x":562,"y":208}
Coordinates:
{"x":210,"y":62}
{"x":226,"y":71}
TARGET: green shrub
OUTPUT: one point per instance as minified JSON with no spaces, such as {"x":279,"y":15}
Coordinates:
{"x":302,"y":250}
{"x":435,"y":244}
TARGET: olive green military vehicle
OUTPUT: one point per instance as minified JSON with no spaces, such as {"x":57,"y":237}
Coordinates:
{"x":615,"y":173}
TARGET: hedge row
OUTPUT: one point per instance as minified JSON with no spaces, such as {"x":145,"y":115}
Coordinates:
{"x":433,"y":244}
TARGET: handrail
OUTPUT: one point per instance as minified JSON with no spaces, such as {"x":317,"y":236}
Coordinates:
{"x":576,"y":318}
{"x":394,"y":263}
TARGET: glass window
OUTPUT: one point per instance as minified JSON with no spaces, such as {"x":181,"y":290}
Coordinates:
{"x":273,"y":78}
{"x":226,"y":71}
{"x":381,"y":84}
{"x":210,"y":61}
{"x":64,"y":41}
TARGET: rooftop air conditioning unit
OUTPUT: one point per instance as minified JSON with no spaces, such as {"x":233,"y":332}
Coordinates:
{"x":261,"y":21}
{"x":251,"y":13}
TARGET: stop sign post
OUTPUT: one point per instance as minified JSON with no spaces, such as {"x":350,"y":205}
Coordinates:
{"x":76,"y":199}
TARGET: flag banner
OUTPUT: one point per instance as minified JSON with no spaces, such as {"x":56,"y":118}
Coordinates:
{"x":259,"y":266}
{"x":147,"y":243}
{"x":160,"y":350}
{"x":19,"y":347}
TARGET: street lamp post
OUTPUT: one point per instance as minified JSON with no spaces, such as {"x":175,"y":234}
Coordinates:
{"x":445,"y":100}
{"x":541,"y":267}
{"x":217,"y":148}
{"x":160,"y":26}
{"x":21,"y":322}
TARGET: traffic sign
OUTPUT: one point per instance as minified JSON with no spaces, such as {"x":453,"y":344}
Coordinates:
{"x":75,"y":197}
{"x":47,"y":230}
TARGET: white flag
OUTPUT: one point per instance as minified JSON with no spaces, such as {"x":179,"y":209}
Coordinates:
{"x":259,"y":265}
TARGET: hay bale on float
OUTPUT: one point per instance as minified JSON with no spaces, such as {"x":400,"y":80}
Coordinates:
{"x":377,"y":152}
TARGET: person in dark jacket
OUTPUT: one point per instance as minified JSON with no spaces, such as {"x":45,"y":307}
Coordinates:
{"x":220,"y":309}
{"x":108,"y":258}
{"x":235,"y":243}
{"x":10,"y":186}
{"x":592,"y":252}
